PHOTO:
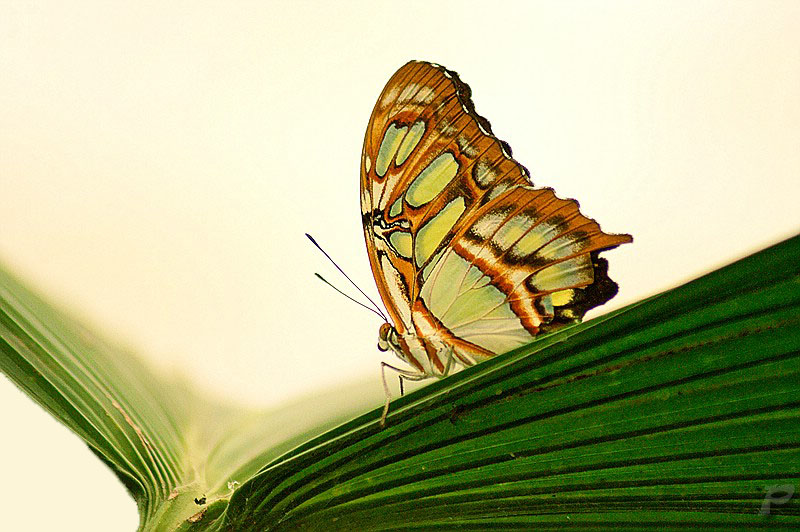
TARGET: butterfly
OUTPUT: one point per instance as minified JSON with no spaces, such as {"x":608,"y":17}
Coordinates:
{"x":470,"y":259}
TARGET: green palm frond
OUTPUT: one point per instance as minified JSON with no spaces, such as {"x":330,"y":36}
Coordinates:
{"x":679,"y":411}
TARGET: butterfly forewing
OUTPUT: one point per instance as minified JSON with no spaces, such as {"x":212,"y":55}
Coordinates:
{"x":463,"y":248}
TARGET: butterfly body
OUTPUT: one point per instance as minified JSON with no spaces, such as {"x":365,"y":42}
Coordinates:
{"x":470,"y":259}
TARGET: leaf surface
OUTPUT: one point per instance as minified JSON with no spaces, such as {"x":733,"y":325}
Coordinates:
{"x":679,"y":411}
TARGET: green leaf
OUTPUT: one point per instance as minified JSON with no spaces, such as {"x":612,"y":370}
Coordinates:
{"x":166,"y":442}
{"x":680,"y":411}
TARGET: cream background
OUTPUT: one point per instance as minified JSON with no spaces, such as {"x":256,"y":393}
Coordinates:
{"x":160,"y":163}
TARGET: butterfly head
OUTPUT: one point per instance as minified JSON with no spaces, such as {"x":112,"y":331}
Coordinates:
{"x":390,"y":339}
{"x":387,"y":338}
{"x":412,"y":348}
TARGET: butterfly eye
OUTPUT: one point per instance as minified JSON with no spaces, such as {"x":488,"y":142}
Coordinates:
{"x":383,"y":332}
{"x":383,"y":337}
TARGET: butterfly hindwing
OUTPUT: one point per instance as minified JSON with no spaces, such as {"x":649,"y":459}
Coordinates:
{"x":462,"y":246}
{"x":520,"y":264}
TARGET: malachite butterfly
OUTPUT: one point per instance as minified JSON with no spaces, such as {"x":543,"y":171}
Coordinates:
{"x":470,"y":259}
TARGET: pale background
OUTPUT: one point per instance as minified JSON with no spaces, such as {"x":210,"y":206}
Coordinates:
{"x":160,"y":164}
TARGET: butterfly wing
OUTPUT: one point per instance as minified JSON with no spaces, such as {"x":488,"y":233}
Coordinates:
{"x":461,"y":245}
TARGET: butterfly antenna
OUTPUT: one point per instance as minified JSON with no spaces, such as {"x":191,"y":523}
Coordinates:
{"x":321,"y":278}
{"x":376,"y":310}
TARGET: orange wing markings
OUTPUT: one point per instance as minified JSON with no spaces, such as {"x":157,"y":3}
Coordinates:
{"x":428,"y":86}
{"x":385,"y":108}
{"x":412,"y":106}
{"x":482,"y":246}
{"x":512,"y":276}
{"x":461,"y":133}
{"x":374,"y":186}
{"x":412,"y":74}
{"x":462,"y":184}
{"x":431,"y":146}
{"x":467,"y":133}
{"x":451,"y":125}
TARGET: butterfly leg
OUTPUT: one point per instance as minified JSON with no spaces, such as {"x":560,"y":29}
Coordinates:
{"x":404,"y":374}
{"x":448,"y":365}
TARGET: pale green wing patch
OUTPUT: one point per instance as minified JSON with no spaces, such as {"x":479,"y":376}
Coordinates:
{"x":391,"y":142}
{"x":397,"y":207}
{"x":432,"y":180}
{"x":462,"y":298}
{"x":410,"y":142}
{"x":433,"y":232}
{"x":571,"y":272}
{"x":401,"y":242}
